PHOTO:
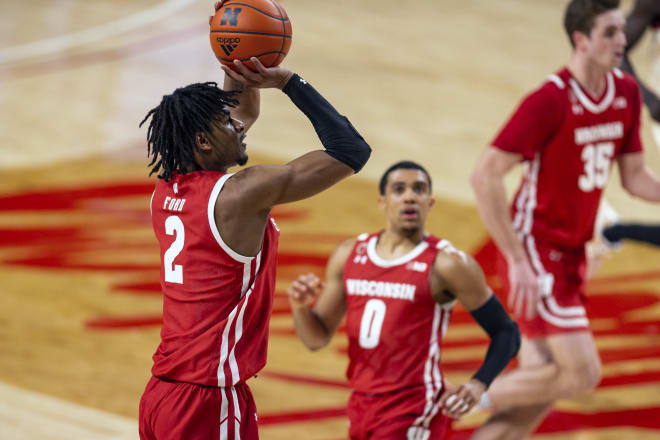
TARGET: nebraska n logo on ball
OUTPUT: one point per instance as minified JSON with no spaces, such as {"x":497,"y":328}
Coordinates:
{"x":231,"y":15}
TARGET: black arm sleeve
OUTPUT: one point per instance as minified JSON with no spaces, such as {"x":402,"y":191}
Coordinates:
{"x":632,"y":231}
{"x":504,"y":339}
{"x":337,"y":135}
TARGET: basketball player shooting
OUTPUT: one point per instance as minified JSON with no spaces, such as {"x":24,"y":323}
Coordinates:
{"x":397,"y":288}
{"x":568,"y":133}
{"x":218,"y":244}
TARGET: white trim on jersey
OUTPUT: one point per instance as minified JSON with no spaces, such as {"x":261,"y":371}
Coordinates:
{"x":362,"y":236}
{"x":246,"y":277}
{"x":557,"y":80}
{"x":520,"y":200}
{"x":238,"y":334}
{"x":224,"y":415}
{"x":432,"y":373}
{"x":588,"y":103}
{"x":561,"y":322}
{"x":237,"y":411}
{"x":151,"y":202}
{"x":224,"y":348}
{"x":214,"y":228}
{"x":446,"y":246}
{"x":618,"y":72}
{"x":373,"y":256}
{"x":531,"y":196}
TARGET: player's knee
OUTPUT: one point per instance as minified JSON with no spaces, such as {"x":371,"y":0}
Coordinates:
{"x":581,"y":378}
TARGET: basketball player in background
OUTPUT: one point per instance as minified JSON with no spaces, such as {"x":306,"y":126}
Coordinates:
{"x":397,"y":288}
{"x":219,"y":244}
{"x":644,"y":15}
{"x":568,"y":132}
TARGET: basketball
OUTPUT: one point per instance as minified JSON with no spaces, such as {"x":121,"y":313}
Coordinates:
{"x":241,"y":29}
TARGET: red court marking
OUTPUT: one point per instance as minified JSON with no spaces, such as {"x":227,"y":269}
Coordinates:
{"x":301,"y":416}
{"x":299,"y":378}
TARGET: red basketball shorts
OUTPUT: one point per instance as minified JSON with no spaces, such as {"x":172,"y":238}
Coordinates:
{"x":561,"y":272}
{"x":400,"y":415}
{"x":179,"y":410}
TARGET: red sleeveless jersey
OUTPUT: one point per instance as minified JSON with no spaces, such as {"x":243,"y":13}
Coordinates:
{"x":393,"y":324}
{"x":216,"y":303}
{"x":569,"y":141}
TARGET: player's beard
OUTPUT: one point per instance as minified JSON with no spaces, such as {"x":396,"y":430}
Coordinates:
{"x":242,"y":160}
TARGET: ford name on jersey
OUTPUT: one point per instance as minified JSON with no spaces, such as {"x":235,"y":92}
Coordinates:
{"x":381,"y":288}
{"x":588,"y":135}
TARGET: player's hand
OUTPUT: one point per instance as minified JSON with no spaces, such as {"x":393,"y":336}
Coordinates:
{"x":305,"y":290}
{"x":217,"y":6}
{"x":459,"y":400}
{"x":525,"y":289}
{"x":263,"y":78}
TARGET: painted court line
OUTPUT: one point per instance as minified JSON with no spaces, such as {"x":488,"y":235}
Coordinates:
{"x":91,"y":35}
{"x":29,"y":415}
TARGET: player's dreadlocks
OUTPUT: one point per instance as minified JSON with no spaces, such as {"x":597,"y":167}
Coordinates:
{"x":171,"y":133}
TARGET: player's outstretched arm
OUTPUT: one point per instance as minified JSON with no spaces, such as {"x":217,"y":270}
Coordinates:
{"x":316,"y":326}
{"x":488,"y":183}
{"x":639,"y":20}
{"x":460,"y":274}
{"x":637,"y":178}
{"x":345,"y":152}
{"x":637,"y":23}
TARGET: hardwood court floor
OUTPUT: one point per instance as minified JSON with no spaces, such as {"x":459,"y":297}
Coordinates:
{"x":430,"y":81}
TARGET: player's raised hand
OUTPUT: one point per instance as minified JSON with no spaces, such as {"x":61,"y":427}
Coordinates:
{"x":525,"y":291}
{"x":459,"y":400}
{"x":305,"y":290}
{"x":263,"y":78}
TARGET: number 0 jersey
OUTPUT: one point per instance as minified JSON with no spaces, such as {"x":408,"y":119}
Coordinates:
{"x":569,"y":141}
{"x":216,"y":303}
{"x":393,"y":324}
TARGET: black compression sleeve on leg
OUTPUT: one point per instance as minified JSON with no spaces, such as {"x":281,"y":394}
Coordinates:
{"x":632,"y":231}
{"x":504,"y":339}
{"x":337,"y":135}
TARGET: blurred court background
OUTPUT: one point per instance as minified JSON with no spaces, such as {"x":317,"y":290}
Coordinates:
{"x":430,"y":81}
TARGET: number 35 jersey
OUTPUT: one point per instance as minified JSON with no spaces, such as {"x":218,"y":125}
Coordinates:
{"x":216,"y":303}
{"x":569,"y":141}
{"x":393,"y":324}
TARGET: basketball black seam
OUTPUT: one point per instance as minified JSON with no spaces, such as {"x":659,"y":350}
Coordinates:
{"x":280,"y":18}
{"x":248,"y":58}
{"x":250,"y":33}
{"x":283,"y":32}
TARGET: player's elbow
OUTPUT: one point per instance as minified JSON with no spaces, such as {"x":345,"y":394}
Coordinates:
{"x":315,"y":344}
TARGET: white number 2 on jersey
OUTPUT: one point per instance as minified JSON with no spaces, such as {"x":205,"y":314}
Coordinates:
{"x":596,"y":158}
{"x":372,"y":322}
{"x":174,"y":272}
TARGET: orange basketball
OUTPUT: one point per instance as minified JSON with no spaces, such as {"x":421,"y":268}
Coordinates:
{"x":241,"y":29}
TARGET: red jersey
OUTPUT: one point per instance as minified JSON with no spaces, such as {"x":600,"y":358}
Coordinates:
{"x":569,"y":141}
{"x":394,"y":325}
{"x":216,"y":303}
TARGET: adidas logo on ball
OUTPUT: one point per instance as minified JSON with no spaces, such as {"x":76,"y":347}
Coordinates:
{"x":228,"y":48}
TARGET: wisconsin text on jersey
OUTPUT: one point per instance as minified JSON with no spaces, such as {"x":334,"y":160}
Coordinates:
{"x":609,"y":131}
{"x":380,"y":288}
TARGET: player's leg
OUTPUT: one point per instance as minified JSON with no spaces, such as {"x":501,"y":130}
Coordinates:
{"x":518,"y":422}
{"x":526,"y":394}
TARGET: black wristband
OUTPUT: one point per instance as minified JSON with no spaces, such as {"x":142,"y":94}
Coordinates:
{"x":335,"y":131}
{"x":504,"y":339}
